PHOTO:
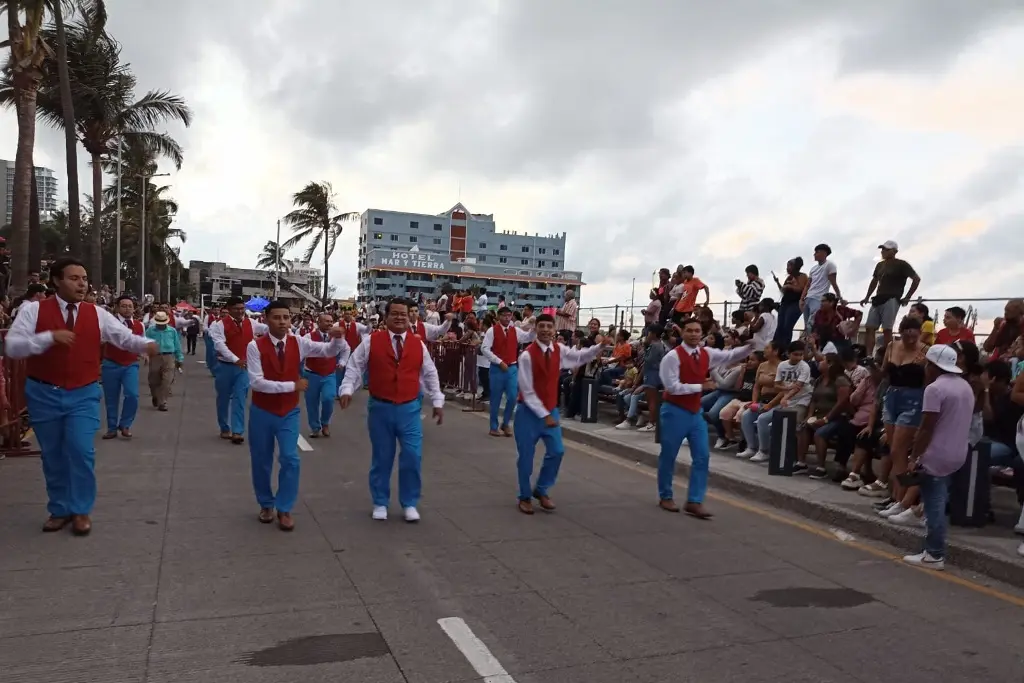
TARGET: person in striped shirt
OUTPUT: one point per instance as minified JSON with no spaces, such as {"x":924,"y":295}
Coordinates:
{"x":566,"y":316}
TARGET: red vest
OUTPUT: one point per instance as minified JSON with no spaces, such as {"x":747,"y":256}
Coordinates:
{"x":352,"y":336}
{"x":210,"y":317}
{"x":321,"y":366}
{"x":390,"y":380}
{"x":690,"y":372}
{"x":278,"y":404}
{"x":420,"y":330}
{"x":506,"y":344}
{"x":120,"y":356}
{"x":68,"y":367}
{"x":237,"y":335}
{"x":545,"y":374}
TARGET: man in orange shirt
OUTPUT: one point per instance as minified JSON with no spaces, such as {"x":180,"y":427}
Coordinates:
{"x":687,"y":302}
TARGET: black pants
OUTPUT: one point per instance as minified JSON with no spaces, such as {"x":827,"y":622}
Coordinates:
{"x":483,"y":376}
{"x":190,"y":344}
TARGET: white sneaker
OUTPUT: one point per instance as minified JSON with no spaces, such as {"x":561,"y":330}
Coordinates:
{"x":907,"y":518}
{"x":380,"y":512}
{"x":894,"y":509}
{"x":720,"y":444}
{"x":624,"y":425}
{"x":748,"y":453}
{"x":925,"y":560}
{"x":648,"y":428}
{"x":412,"y":515}
{"x":760,"y":456}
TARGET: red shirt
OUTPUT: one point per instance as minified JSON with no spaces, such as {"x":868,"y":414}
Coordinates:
{"x":120,"y":356}
{"x":392,"y":380}
{"x":321,"y":366}
{"x":67,"y":367}
{"x":276,"y":371}
{"x":945,"y":336}
{"x":690,"y":372}
{"x":545,"y":374}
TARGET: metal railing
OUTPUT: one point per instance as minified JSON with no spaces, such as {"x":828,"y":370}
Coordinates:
{"x":456,"y":369}
{"x":14,"y":424}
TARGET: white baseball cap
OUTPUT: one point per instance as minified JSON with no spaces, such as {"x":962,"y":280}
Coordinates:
{"x":889,"y":244}
{"x":829,"y":348}
{"x":944,"y":357}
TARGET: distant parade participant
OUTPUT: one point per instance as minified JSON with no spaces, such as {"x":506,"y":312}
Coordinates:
{"x":354,"y":333}
{"x":537,"y":417}
{"x":61,"y":338}
{"x":274,"y":365}
{"x":397,"y":363}
{"x":231,"y":336}
{"x":211,"y":353}
{"x":501,"y":347}
{"x":120,"y":373}
{"x":426,"y":331}
{"x":319,"y":372}
{"x":166,"y":361}
{"x":683,"y":372}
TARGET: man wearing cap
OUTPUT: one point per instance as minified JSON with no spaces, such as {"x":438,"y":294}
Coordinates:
{"x":169,"y":358}
{"x":821,"y":276}
{"x":120,"y":373}
{"x":231,"y":336}
{"x":940,"y":446}
{"x":888,"y":283}
{"x":61,"y":339}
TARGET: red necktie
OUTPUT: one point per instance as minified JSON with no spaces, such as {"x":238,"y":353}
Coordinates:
{"x":398,"y":346}
{"x":70,"y":322}
{"x":280,"y":353}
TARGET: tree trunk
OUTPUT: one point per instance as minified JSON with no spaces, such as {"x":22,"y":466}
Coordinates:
{"x":35,"y":233}
{"x":25,"y":93}
{"x":327,"y":244}
{"x":70,"y":141}
{"x":96,"y":235}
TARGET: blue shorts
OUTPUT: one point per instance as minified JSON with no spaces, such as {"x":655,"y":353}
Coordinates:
{"x":902,"y":407}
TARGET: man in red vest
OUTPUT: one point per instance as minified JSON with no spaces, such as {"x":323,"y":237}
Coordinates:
{"x":120,"y":373}
{"x":426,"y":331}
{"x":683,"y":372}
{"x":501,"y":347}
{"x":397,"y":362}
{"x":320,"y":373}
{"x":537,"y":416}
{"x":231,"y":336}
{"x":354,"y":333}
{"x":211,"y":353}
{"x":274,"y":365}
{"x":61,"y":337}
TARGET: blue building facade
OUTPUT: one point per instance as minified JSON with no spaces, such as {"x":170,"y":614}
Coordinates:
{"x":408,"y":254}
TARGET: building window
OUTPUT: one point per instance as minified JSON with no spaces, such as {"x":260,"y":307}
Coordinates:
{"x":437,"y":226}
{"x":437,"y":240}
{"x":394,"y":238}
{"x":556,"y":252}
{"x":526,"y":250}
{"x":415,"y":225}
{"x":554,"y":264}
{"x":524,"y":261}
{"x":542,"y":264}
{"x":378,"y":235}
{"x":503,"y":247}
{"x":542,"y":250}
{"x":502,"y":259}
{"x":378,"y":221}
{"x":483,"y":245}
{"x":412,"y":238}
{"x":483,"y":259}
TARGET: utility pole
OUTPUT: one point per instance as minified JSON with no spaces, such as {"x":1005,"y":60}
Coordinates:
{"x":143,"y":243}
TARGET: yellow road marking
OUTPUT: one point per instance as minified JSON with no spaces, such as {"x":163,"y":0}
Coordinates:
{"x":803,"y":526}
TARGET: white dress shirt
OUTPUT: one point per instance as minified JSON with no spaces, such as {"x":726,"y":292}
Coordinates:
{"x":668,"y":371}
{"x":345,"y":352}
{"x":307,"y":349}
{"x":569,"y":359}
{"x":360,"y":359}
{"x":23,"y":340}
{"x":522,"y":336}
{"x":220,"y":341}
{"x":434,"y":332}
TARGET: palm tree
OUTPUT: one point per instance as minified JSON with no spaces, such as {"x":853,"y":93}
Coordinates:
{"x":316,"y":219}
{"x":271,"y":259}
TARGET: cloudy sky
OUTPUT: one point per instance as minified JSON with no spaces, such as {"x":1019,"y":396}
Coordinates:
{"x":655,"y":132}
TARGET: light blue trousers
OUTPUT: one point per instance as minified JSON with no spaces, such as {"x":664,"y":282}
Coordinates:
{"x":65,"y":423}
{"x":395,"y":427}
{"x":503,"y":383}
{"x":528,"y":430}
{"x":232,"y":384}
{"x":265,"y":428}
{"x":678,"y":424}
{"x":320,"y":397}
{"x":211,"y":354}
{"x":118,"y":379}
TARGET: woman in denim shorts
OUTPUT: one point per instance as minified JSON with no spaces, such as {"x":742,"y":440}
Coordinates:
{"x":901,"y":409}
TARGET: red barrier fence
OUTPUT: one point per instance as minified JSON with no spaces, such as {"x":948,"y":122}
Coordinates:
{"x":456,"y":368}
{"x":14,"y":413}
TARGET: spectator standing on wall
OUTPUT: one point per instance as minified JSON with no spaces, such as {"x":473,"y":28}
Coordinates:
{"x":566,"y":316}
{"x":750,"y":290}
{"x":820,"y":277}
{"x":888,"y":283}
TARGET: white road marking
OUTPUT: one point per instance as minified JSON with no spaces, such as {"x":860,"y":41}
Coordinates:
{"x":303,"y":444}
{"x":474,"y":650}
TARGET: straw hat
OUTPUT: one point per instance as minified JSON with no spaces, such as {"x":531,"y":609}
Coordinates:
{"x":160,"y":318}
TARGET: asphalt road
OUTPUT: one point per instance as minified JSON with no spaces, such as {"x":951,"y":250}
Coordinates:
{"x":179,"y":582}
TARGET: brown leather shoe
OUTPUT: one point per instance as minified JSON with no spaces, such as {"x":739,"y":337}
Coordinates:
{"x":697,"y":510}
{"x":285,"y":521}
{"x":668,"y":505}
{"x":266,"y":515}
{"x":225,"y":435}
{"x":237,"y":439}
{"x":506,"y":430}
{"x":55,"y":524}
{"x":494,"y":432}
{"x":126,"y":433}
{"x":526,"y":507}
{"x":81,"y":525}
{"x":325,"y":430}
{"x":545,"y":502}
{"x":109,"y":435}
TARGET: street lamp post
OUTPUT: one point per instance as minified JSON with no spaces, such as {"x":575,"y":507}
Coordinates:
{"x":277,"y":262}
{"x":143,"y":244}
{"x":117,"y":240}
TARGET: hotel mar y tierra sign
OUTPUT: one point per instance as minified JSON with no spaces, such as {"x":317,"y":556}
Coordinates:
{"x":413,"y":259}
